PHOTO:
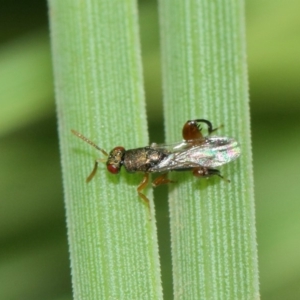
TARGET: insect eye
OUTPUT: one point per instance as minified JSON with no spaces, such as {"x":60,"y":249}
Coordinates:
{"x":113,"y":169}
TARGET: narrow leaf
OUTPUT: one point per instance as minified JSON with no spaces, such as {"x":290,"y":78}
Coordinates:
{"x":212,"y":221}
{"x":113,"y":244}
{"x":25,"y":75}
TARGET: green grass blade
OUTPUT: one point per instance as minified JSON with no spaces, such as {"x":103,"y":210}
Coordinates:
{"x":113,"y":245}
{"x":212,"y":222}
{"x":25,"y":73}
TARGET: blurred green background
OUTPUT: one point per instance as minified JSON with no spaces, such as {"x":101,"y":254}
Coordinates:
{"x":33,"y":245}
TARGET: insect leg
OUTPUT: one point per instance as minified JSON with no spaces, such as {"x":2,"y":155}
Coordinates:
{"x":141,"y":187}
{"x":207,"y":172}
{"x":93,"y":173}
{"x":192,"y":130}
{"x":161,"y":180}
{"x":209,"y":125}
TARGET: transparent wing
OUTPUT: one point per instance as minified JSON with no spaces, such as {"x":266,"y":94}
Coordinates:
{"x":212,"y":152}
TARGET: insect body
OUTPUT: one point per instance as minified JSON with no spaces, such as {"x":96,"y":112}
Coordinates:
{"x":198,"y":153}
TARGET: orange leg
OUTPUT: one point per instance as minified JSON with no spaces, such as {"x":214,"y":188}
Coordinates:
{"x":207,"y":172}
{"x":161,"y":180}
{"x":192,"y":129}
{"x":93,"y":173}
{"x":141,"y":187}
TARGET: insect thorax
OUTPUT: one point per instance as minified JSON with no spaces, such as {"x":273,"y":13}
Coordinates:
{"x":142,"y":159}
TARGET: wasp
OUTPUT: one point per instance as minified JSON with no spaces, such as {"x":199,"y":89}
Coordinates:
{"x":196,"y":153}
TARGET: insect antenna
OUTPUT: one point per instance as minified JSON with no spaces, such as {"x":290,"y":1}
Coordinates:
{"x":90,"y":177}
{"x":88,"y":141}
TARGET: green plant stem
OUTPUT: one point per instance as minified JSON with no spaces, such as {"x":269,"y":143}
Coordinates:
{"x":97,"y":68}
{"x":212,"y":222}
